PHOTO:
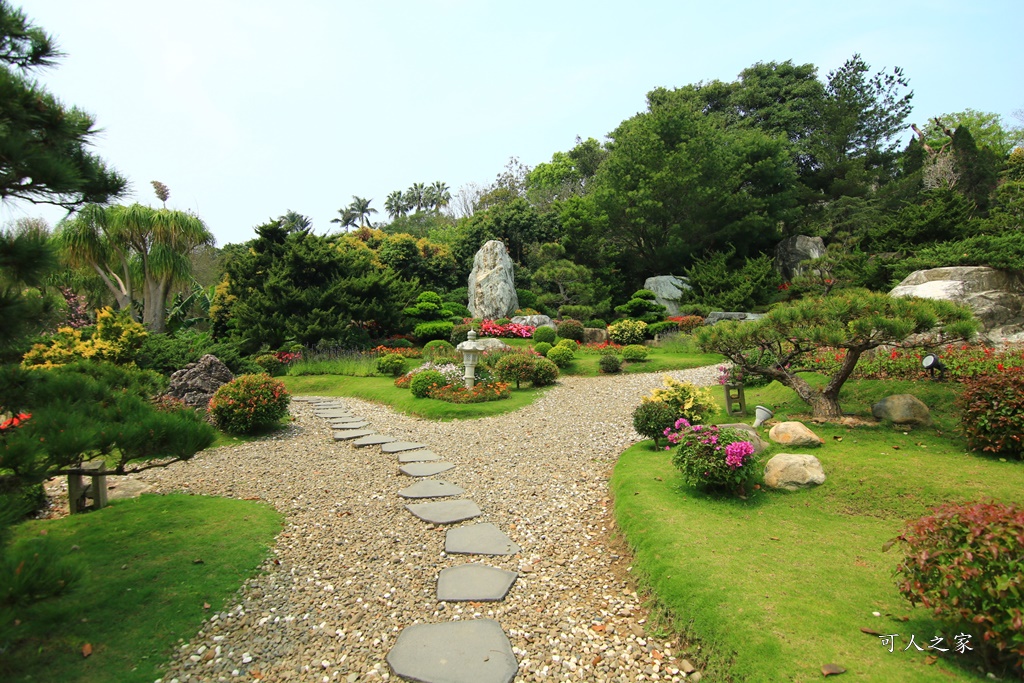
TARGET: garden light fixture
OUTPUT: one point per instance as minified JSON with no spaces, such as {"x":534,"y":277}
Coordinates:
{"x":762,"y":415}
{"x":931,"y":363}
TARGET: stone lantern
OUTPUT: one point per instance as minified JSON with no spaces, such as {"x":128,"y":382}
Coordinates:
{"x":471,"y":350}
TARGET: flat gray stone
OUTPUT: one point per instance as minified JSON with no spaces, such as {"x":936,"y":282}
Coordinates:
{"x":473,"y":651}
{"x":445,"y":511}
{"x":431,"y":488}
{"x":417,"y":456}
{"x":333,"y":412}
{"x":351,"y":425}
{"x":479,"y":539}
{"x":399,"y":446}
{"x":474,"y":582}
{"x":425,"y":469}
{"x":343,"y":420}
{"x":348,"y":434}
{"x":373,"y":440}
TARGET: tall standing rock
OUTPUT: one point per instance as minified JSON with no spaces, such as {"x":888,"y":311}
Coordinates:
{"x":492,"y":286}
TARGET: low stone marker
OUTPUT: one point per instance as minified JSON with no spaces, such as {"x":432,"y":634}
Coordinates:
{"x":474,"y":582}
{"x":472,"y":651}
{"x":793,"y":471}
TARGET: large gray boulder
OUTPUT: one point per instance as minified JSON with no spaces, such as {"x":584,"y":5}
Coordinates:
{"x":534,"y":321}
{"x":196,"y":383}
{"x":995,"y":296}
{"x":902,"y":409}
{"x":739,"y":316}
{"x":492,"y":285}
{"x":793,"y":471}
{"x":668,"y":290}
{"x":792,"y":251}
{"x":595,"y":335}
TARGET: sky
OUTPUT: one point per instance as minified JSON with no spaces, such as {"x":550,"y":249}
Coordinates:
{"x":247,"y":109}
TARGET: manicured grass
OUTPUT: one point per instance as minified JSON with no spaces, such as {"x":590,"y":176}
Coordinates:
{"x":776,"y":586}
{"x":675,"y":356}
{"x":383,"y":390}
{"x":152,"y":565}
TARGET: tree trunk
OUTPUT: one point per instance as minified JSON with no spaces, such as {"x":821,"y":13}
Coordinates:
{"x":825,"y":406}
{"x":824,"y":403}
{"x":154,"y":314}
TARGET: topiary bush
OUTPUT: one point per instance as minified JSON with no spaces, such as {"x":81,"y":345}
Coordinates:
{"x":964,"y":562}
{"x":542,"y":348}
{"x":642,"y":306}
{"x":694,"y":404}
{"x":544,"y":334}
{"x":570,"y":344}
{"x":575,"y":312}
{"x":544,"y":373}
{"x":652,"y":418}
{"x":460,"y":333}
{"x":391,"y":364}
{"x":270,"y":364}
{"x":662,"y":327}
{"x":992,"y":412}
{"x":609,"y":363}
{"x":596,"y":323}
{"x":434,"y":329}
{"x":688,"y":323}
{"x":570,"y":329}
{"x":634,"y":353}
{"x":437,"y":347}
{"x":515,"y":367}
{"x":628,"y":332}
{"x":560,"y":355}
{"x":423,"y":382}
{"x":249,"y":403}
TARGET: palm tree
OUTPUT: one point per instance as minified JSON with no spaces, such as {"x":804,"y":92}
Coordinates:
{"x":440,"y":194}
{"x":395,"y":205}
{"x":360,"y":208}
{"x":415,"y":196}
{"x":346,"y":218}
{"x":295,"y":222}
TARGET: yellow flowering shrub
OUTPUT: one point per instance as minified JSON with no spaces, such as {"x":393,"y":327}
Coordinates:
{"x":688,"y":400}
{"x":115,"y":338}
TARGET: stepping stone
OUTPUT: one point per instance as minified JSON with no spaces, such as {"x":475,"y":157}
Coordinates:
{"x":479,"y":539}
{"x":472,"y":651}
{"x":431,"y":488}
{"x":445,"y":511}
{"x":373,"y":440}
{"x":352,"y":434}
{"x":474,"y":582}
{"x":334,"y":412}
{"x":344,"y":420}
{"x":398,"y":446}
{"x":425,"y":469}
{"x":352,"y":425}
{"x":417,"y":456}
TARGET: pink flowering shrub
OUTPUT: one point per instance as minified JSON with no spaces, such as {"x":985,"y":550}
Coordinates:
{"x":489,"y":328}
{"x":711,"y":458}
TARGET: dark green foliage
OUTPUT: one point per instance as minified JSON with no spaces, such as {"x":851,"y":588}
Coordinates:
{"x":423,"y":382}
{"x":609,"y":363}
{"x":596,"y":323}
{"x":515,"y":367}
{"x":249,"y":403}
{"x":460,"y":333}
{"x":662,"y":327}
{"x":977,"y":168}
{"x":963,"y":562}
{"x":560,"y":355}
{"x":527,"y":299}
{"x":1004,"y":251}
{"x":568,"y":329}
{"x":437,"y":347}
{"x":544,"y":334}
{"x":399,"y":343}
{"x":502,"y":321}
{"x":939,"y":216}
{"x":725,"y":283}
{"x":435,"y":317}
{"x":642,"y":306}
{"x":34,"y":570}
{"x":167,"y":353}
{"x":436,"y":329}
{"x":634,"y":353}
{"x":391,"y":364}
{"x":26,"y":258}
{"x":544,"y":372}
{"x":992,"y":412}
{"x":269,"y":363}
{"x":652,"y":418}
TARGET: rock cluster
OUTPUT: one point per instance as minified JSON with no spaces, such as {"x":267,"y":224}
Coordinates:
{"x":196,"y":383}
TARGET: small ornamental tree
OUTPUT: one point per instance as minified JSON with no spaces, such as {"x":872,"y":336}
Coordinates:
{"x":642,"y":306}
{"x":778,"y":345}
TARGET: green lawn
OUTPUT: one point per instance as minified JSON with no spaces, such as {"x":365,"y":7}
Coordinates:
{"x":152,"y":564}
{"x":778,"y":585}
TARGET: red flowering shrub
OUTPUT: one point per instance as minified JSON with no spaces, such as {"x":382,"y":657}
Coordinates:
{"x":961,"y":361}
{"x":249,"y":403}
{"x":992,"y":416}
{"x":490,"y":328}
{"x":403,"y":351}
{"x":964,"y":562}
{"x":515,"y":367}
{"x":688,"y":323}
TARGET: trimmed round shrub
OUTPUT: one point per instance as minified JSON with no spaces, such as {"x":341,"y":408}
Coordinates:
{"x":399,"y":343}
{"x":434,"y":329}
{"x":608,"y":350}
{"x":544,"y":372}
{"x":570,"y":344}
{"x":270,"y":364}
{"x":391,"y":364}
{"x":515,"y":367}
{"x":570,"y":329}
{"x":249,"y":403}
{"x":609,"y":363}
{"x":662,"y":327}
{"x":460,"y":333}
{"x":628,"y":331}
{"x":423,"y":382}
{"x":544,"y":334}
{"x":652,"y":418}
{"x":542,"y":348}
{"x":963,"y":562}
{"x":688,"y":323}
{"x":634,"y":353}
{"x":560,"y":355}
{"x":596,"y":323}
{"x":992,"y":412}
{"x":437,"y":347}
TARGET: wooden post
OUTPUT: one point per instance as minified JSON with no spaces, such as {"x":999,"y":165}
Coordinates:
{"x":76,"y":494}
{"x":735,"y":401}
{"x":78,"y":491}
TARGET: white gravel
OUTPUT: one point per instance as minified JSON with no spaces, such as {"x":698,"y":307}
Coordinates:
{"x":353,"y":568}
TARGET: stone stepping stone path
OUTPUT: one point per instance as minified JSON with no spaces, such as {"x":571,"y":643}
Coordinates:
{"x":399,"y":446}
{"x":334,"y":412}
{"x":479,"y":539}
{"x":352,"y":425}
{"x":349,"y":434}
{"x":343,"y":420}
{"x":425,"y":469}
{"x":417,"y":456}
{"x":474,"y":651}
{"x":431,"y":488}
{"x":445,"y":511}
{"x":373,"y":440}
{"x":474,"y":582}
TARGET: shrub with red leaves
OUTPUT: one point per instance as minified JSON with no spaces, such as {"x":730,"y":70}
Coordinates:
{"x":992,"y":412}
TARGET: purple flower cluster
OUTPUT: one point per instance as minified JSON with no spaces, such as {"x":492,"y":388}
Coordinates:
{"x":736,"y":454}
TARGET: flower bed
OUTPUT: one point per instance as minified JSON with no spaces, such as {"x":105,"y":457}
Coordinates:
{"x":489,"y":328}
{"x":491,"y":391}
{"x":400,"y":350}
{"x":961,"y":361}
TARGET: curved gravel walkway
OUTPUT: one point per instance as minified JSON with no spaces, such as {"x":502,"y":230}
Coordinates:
{"x":353,"y":568}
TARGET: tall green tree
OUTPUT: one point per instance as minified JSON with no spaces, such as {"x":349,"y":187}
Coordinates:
{"x":44,"y":146}
{"x":361,"y":209}
{"x":395,"y":205}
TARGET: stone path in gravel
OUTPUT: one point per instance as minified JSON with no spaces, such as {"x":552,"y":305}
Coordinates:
{"x":375,"y":571}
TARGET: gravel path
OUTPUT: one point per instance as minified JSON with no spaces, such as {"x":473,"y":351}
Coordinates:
{"x":352,"y":567}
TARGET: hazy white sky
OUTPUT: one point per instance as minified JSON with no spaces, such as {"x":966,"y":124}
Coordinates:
{"x":247,"y":108}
